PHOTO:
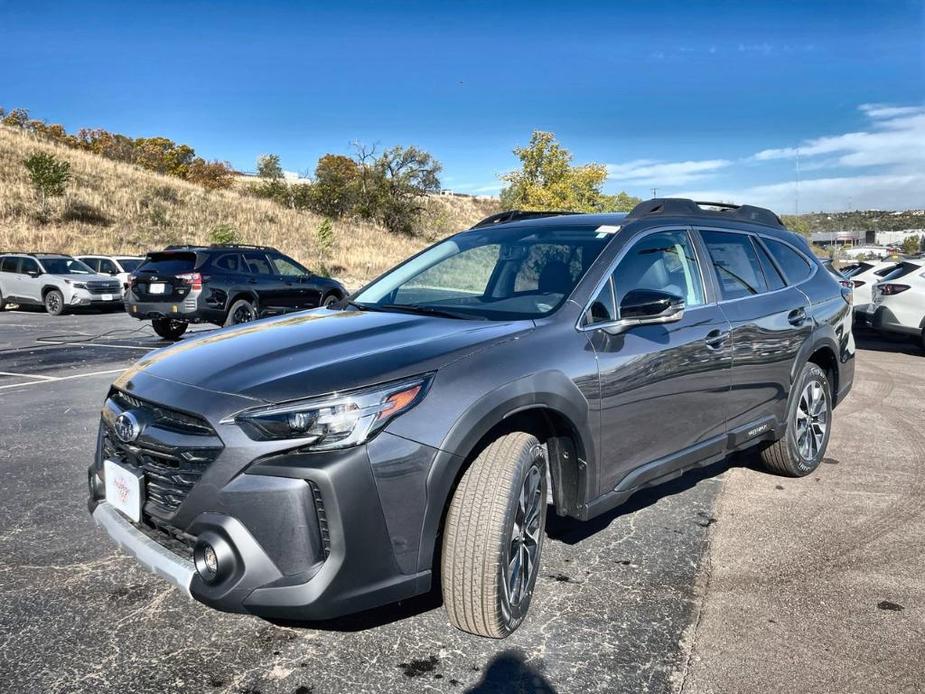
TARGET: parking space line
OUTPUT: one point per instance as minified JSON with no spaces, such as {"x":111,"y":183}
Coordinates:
{"x":56,"y":379}
{"x":41,"y":378}
{"x":91,"y":344}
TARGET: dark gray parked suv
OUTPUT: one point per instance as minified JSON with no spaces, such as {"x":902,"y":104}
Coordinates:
{"x":334,"y":460}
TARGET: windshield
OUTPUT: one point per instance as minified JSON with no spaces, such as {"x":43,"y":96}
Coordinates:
{"x":66,"y":266}
{"x":493,"y":274}
{"x":130,"y":264}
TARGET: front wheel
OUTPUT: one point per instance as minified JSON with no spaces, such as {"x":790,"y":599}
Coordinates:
{"x":54,"y":302}
{"x":168,"y":328}
{"x":809,"y":424}
{"x":493,"y":537}
{"x":330,"y":300}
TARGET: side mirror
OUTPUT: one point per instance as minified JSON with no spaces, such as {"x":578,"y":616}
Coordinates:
{"x":34,"y":273}
{"x":646,"y":307}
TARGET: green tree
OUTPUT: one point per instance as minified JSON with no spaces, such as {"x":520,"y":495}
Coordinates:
{"x":798,"y":224}
{"x":911,"y":245}
{"x":392,"y":186}
{"x":49,"y":175}
{"x":324,"y":240}
{"x":224,"y":234}
{"x":548,"y":181}
{"x":272,"y":182}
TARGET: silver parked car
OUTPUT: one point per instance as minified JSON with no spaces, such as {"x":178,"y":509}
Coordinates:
{"x":57,"y":282}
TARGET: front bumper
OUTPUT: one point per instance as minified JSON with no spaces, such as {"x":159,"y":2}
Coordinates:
{"x":85,"y":298}
{"x":311,"y":535}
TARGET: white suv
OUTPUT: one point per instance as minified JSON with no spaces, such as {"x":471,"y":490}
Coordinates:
{"x":57,"y":282}
{"x":119,"y":266}
{"x":898,"y":302}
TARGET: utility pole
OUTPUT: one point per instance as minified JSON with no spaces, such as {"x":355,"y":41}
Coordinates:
{"x":796,"y":193}
{"x":655,"y":192}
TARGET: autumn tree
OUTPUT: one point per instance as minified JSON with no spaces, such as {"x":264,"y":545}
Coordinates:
{"x":548,"y":181}
{"x":333,"y":192}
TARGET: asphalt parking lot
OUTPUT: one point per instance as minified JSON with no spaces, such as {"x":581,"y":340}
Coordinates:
{"x":723,"y":580}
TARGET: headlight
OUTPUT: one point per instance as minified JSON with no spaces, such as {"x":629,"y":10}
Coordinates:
{"x":334,"y":421}
{"x":77,"y":285}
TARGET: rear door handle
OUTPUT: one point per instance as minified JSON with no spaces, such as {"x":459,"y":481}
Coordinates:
{"x":716,"y":338}
{"x":797,"y":316}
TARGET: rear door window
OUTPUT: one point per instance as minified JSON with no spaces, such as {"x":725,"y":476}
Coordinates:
{"x":735,"y":264}
{"x":93,"y":263}
{"x":106,"y":266}
{"x":168,"y":264}
{"x":29,"y":265}
{"x":8,"y":264}
{"x":258,"y":264}
{"x":795,"y":266}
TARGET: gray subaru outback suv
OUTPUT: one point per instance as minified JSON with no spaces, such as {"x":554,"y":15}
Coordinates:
{"x":335,"y":460}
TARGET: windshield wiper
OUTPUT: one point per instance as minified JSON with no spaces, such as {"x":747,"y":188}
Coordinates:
{"x":427,"y":311}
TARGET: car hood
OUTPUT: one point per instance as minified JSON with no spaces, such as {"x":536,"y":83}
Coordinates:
{"x":320,"y":351}
{"x":86,"y":278}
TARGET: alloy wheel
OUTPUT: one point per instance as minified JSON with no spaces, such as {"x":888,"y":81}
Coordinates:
{"x":525,"y":537}
{"x":243,"y":314}
{"x":812,"y":420}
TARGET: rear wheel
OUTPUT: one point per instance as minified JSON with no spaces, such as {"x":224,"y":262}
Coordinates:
{"x":241,"y":311}
{"x":809,"y":419}
{"x":54,"y":302}
{"x":493,"y":537}
{"x":168,"y":328}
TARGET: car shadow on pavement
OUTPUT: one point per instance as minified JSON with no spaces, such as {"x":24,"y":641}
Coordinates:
{"x":572,"y":531}
{"x":875,"y":342}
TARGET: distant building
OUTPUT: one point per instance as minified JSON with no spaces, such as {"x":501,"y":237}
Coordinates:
{"x":858,"y":237}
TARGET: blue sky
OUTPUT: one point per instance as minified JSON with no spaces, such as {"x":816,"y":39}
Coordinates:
{"x":689,"y":98}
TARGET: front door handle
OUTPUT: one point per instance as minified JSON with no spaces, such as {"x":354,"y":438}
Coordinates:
{"x":797,"y":316}
{"x":716,"y":338}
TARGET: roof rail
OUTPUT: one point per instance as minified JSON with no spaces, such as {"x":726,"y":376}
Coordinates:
{"x":684,"y":206}
{"x":516,"y":216}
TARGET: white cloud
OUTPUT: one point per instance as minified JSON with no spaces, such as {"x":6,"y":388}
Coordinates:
{"x":896,"y":139}
{"x":645,"y":172}
{"x":878,"y":191}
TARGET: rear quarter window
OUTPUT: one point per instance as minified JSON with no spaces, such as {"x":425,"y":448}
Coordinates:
{"x":795,"y":266}
{"x":8,"y":264}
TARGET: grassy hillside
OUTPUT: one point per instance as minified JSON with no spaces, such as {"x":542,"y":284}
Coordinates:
{"x":112,"y":207}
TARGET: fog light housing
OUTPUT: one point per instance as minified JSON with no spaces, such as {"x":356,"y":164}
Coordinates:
{"x":97,"y":488}
{"x":213,"y":558}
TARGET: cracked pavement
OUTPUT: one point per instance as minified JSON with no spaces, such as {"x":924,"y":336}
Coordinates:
{"x":623,"y":603}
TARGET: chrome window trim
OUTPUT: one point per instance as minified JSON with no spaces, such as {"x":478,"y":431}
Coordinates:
{"x":687,"y":229}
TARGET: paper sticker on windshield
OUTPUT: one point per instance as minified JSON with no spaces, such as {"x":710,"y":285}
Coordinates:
{"x":605,"y":229}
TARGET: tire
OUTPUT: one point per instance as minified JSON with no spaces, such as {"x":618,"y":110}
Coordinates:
{"x":241,"y":311}
{"x":168,"y":328}
{"x":483,"y":590}
{"x":2,"y":302}
{"x":54,"y":302}
{"x":329,"y":300}
{"x":797,"y":454}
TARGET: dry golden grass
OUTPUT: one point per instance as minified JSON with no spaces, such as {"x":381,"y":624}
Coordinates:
{"x":111,"y":207}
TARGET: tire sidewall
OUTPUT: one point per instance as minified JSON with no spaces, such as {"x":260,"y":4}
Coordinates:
{"x":513,"y":615}
{"x":229,"y":321}
{"x":810,"y":373}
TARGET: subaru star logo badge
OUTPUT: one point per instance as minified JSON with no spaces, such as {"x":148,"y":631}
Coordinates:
{"x":127,"y":427}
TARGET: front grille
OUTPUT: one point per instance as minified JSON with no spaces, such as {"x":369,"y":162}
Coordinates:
{"x":170,"y":470}
{"x":104,"y":287}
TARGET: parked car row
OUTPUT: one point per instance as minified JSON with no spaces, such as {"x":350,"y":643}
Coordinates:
{"x":889,"y":296}
{"x":219,"y":284}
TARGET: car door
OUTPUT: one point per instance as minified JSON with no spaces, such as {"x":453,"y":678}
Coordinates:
{"x":663,"y":386}
{"x":9,"y":277}
{"x":29,"y":280}
{"x":769,"y":320}
{"x":270,"y":288}
{"x":300,"y":290}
